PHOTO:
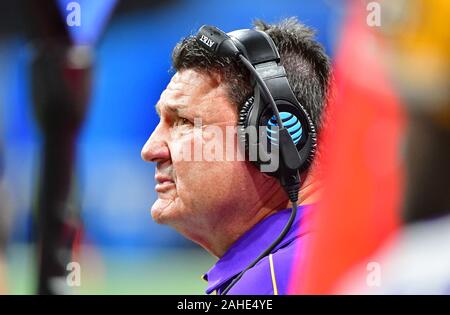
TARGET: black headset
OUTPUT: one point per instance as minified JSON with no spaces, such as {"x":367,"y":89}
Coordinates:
{"x":284,"y":128}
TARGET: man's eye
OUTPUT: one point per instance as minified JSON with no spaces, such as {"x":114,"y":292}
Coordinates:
{"x":183,"y":121}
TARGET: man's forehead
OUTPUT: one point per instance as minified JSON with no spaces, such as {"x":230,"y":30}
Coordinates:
{"x":189,"y":88}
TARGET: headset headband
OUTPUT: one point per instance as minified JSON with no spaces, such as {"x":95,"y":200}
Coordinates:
{"x":256,"y":46}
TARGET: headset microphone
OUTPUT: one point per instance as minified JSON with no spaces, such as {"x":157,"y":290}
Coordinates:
{"x":290,"y":131}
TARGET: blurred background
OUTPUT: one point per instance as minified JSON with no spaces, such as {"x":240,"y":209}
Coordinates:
{"x":77,"y":95}
{"x":122,"y":249}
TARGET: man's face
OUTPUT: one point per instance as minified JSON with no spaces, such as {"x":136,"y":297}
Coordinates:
{"x":197,"y":194}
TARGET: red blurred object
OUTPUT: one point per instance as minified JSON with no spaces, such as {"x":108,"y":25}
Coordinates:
{"x":362,"y":169}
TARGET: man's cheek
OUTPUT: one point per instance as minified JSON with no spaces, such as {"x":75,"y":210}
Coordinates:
{"x":184,"y":149}
{"x":192,"y":180}
{"x":212,"y":144}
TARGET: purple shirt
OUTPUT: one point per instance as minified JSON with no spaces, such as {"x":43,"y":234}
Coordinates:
{"x":271,"y":274}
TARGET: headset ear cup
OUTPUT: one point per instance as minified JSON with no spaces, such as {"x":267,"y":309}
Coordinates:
{"x":306,"y":142}
{"x":313,"y":135}
{"x":243,"y":123}
{"x":308,"y":150}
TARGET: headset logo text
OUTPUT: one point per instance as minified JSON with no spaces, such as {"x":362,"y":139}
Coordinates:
{"x":207,"y":41}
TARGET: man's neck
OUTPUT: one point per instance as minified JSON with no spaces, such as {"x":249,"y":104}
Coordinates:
{"x":270,"y":202}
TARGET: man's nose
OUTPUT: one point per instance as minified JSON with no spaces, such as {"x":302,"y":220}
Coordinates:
{"x":155,"y":149}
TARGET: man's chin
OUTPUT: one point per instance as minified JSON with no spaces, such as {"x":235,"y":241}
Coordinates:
{"x":161,"y":210}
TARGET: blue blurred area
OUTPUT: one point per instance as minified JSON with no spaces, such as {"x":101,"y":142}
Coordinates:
{"x":132,"y":69}
{"x":95,"y":15}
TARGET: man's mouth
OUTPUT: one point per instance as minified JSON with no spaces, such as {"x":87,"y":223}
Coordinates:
{"x":163,"y":183}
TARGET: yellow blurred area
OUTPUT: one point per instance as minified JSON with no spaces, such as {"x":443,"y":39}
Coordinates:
{"x":418,"y":36}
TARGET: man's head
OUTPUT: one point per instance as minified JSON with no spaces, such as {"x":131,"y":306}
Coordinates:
{"x":201,"y":198}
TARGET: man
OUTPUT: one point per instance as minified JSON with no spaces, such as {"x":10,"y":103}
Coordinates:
{"x":228,"y":206}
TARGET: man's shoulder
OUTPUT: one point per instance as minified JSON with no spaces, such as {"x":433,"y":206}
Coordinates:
{"x":271,"y":274}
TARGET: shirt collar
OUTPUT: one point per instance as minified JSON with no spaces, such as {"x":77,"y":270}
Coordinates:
{"x":253,"y":243}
